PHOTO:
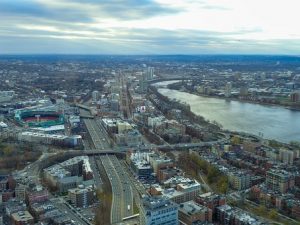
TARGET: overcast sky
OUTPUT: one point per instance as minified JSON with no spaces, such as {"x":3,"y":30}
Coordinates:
{"x":150,"y":26}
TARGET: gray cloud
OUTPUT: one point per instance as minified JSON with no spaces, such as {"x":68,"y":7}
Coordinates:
{"x":83,"y":11}
{"x":35,"y":26}
{"x":133,"y":41}
{"x":130,"y":9}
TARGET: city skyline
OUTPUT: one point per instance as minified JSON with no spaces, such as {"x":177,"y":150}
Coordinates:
{"x":149,"y":27}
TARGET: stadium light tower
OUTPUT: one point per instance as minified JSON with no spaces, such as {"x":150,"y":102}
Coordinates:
{"x":38,"y":118}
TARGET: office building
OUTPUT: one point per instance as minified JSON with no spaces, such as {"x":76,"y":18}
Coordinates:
{"x":95,"y":96}
{"x":140,"y":165}
{"x":143,"y":82}
{"x":150,"y":73}
{"x":228,"y":88}
{"x":157,"y":211}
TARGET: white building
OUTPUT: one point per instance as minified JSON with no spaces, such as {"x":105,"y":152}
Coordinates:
{"x":157,"y":210}
{"x":228,"y":88}
{"x":155,"y":121}
{"x":3,"y":125}
{"x":150,"y":73}
{"x":53,"y":139}
{"x":6,"y":96}
{"x":95,"y":96}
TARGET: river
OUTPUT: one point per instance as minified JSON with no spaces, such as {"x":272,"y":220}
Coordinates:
{"x":274,"y":122}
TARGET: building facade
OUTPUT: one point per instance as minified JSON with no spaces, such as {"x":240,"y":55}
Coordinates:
{"x":157,"y":211}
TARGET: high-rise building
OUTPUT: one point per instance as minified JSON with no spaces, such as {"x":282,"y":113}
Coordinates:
{"x":295,"y":97}
{"x":280,"y":180}
{"x":244,"y":91}
{"x":149,"y":73}
{"x":95,"y":96}
{"x":143,"y":82}
{"x":158,"y":210}
{"x":228,"y":87}
{"x":287,"y":156}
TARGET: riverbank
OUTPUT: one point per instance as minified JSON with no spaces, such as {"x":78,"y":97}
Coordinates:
{"x":274,"y":122}
{"x":294,"y":108}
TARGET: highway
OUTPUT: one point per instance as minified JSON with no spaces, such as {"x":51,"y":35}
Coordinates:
{"x":139,"y":190}
{"x":121,"y":189}
{"x":98,"y":137}
{"x":124,"y":98}
{"x":95,"y":167}
{"x":122,"y":194}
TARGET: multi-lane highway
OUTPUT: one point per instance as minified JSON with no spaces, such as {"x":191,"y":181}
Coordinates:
{"x":95,"y":167}
{"x":124,"y":98}
{"x":97,"y":135}
{"x":122,"y":199}
{"x":138,"y":189}
{"x":122,"y":194}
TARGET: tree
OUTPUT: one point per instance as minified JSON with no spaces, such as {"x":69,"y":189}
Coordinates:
{"x":102,"y":216}
{"x":222,"y":184}
{"x":212,"y":174}
{"x":295,"y":144}
{"x":274,"y":144}
{"x":273,"y":214}
{"x":7,"y":150}
{"x":262,"y":210}
{"x":235,"y":140}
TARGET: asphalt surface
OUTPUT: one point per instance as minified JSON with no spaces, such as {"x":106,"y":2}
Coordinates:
{"x":122,"y":199}
{"x":97,"y":135}
{"x":96,"y":172}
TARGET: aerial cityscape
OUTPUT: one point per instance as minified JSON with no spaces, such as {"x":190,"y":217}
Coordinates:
{"x":143,"y":113}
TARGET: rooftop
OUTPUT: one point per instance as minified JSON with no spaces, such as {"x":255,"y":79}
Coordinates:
{"x":191,"y":208}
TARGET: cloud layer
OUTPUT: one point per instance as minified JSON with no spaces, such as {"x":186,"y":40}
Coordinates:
{"x":149,"y":26}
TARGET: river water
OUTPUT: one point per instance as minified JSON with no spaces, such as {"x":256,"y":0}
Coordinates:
{"x":273,"y":122}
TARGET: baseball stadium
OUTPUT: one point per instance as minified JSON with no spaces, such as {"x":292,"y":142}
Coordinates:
{"x":29,"y":118}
